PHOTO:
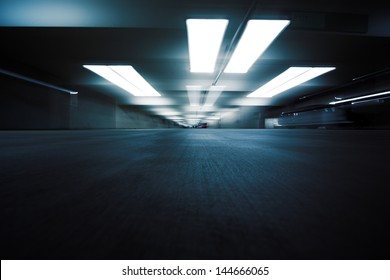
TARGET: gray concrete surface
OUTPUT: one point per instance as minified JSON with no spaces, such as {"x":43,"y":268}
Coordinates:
{"x":194,"y":194}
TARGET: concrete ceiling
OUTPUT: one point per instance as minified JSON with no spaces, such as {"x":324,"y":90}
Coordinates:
{"x":51,"y":40}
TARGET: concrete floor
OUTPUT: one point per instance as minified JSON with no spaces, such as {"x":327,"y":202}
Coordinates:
{"x":195,"y":194}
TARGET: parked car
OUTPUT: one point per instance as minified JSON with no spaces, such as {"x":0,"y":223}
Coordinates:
{"x":202,"y":125}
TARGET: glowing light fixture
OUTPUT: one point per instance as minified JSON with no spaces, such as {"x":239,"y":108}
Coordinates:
{"x":193,"y":117}
{"x":194,"y":95}
{"x":257,"y":36}
{"x":169,"y":113}
{"x":174,"y":118}
{"x":360,"y":97}
{"x":290,"y":78}
{"x":204,"y":41}
{"x":125,"y":77}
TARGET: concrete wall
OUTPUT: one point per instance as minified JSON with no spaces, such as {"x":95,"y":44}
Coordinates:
{"x":250,"y":117}
{"x":130,"y":117}
{"x":25,"y":105}
{"x":230,"y":119}
{"x":89,"y":112}
{"x":243,"y":117}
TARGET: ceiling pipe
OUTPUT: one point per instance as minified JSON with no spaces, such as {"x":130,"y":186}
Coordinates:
{"x":230,"y":47}
{"x":354,"y":81}
{"x":31,"y":80}
{"x":233,"y":42}
{"x":372,"y":75}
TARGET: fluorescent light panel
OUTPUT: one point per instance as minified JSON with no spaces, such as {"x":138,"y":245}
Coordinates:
{"x":174,"y":118}
{"x":290,"y":78}
{"x":360,"y":97}
{"x":190,"y":117}
{"x":125,"y":77}
{"x":169,"y":113}
{"x":152,"y":101}
{"x":257,"y":36}
{"x":204,"y":41}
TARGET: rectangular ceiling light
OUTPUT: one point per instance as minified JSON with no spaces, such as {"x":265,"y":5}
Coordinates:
{"x":194,"y":95}
{"x":257,"y":36}
{"x":125,"y":77}
{"x":204,"y":41}
{"x":213,"y":94}
{"x":290,"y":78}
{"x":360,"y":97}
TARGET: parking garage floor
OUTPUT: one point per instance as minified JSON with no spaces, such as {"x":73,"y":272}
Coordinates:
{"x":195,"y":194}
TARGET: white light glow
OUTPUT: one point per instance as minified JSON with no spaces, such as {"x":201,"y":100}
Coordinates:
{"x":213,"y":94}
{"x":259,"y":101}
{"x":213,"y":118}
{"x":165,"y":112}
{"x":151,"y":101}
{"x":125,"y":77}
{"x":194,"y":95}
{"x":360,"y":97}
{"x":204,"y":41}
{"x":290,"y":78}
{"x":174,"y":118}
{"x":257,"y":36}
